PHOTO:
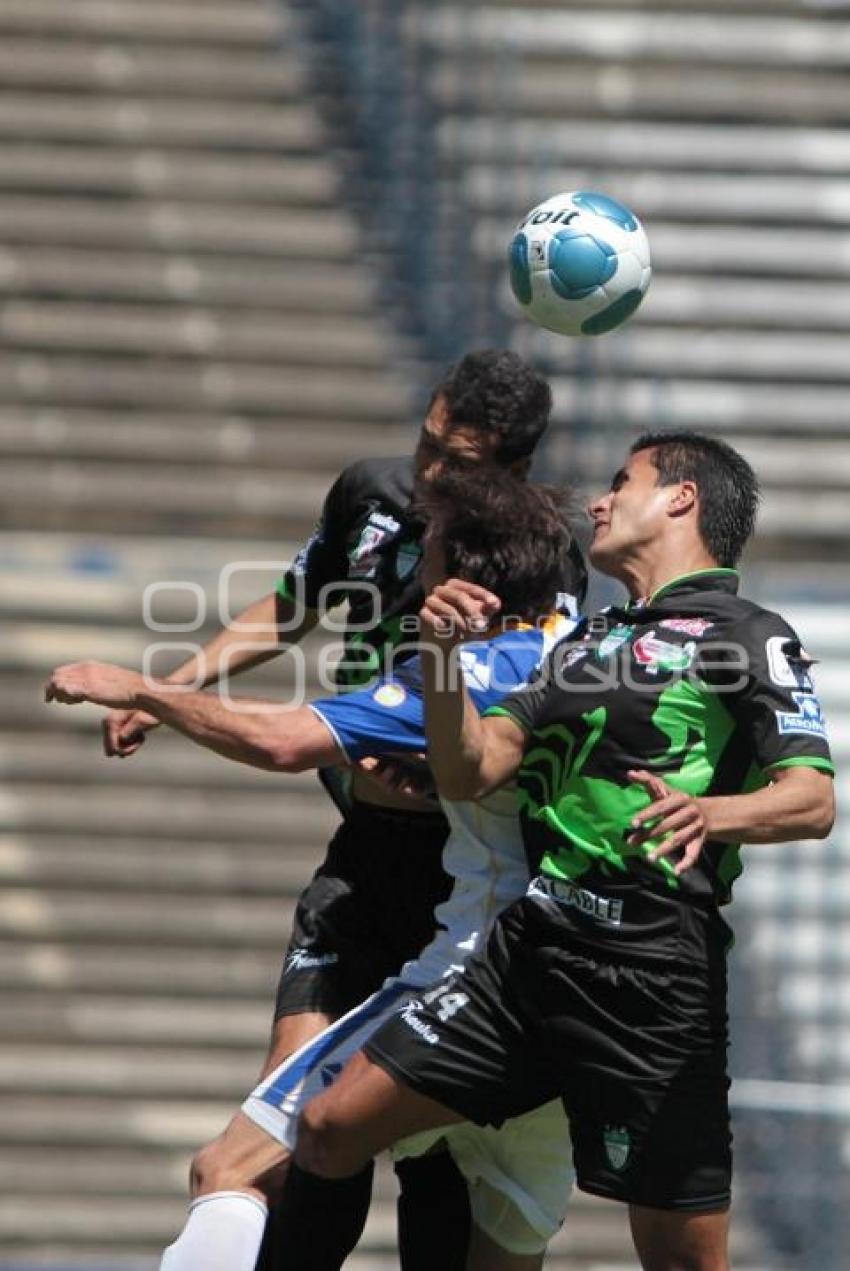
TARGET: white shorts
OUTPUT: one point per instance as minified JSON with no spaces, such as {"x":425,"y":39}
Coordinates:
{"x":519,"y":1176}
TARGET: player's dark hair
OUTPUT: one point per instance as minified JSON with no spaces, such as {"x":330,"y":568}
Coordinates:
{"x":728,"y":487}
{"x":498,"y":392}
{"x":510,"y":536}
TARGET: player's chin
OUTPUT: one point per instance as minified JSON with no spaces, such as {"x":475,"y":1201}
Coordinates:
{"x":601,"y":548}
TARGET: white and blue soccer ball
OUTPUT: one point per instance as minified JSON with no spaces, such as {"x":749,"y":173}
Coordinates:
{"x":579,"y":263}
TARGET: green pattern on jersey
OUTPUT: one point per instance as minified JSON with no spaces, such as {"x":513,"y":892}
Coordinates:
{"x":593,"y":815}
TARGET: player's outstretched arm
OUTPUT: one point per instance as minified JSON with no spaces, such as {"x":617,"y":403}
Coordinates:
{"x":251,"y":639}
{"x":469,"y":756}
{"x":257,"y":733}
{"x":799,"y":803}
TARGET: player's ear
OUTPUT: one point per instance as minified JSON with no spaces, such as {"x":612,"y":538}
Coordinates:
{"x":683,"y":498}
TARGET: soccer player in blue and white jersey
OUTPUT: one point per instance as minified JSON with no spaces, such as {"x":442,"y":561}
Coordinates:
{"x":512,"y":538}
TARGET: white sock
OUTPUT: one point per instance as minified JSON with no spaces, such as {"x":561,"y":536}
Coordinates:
{"x":223,"y":1232}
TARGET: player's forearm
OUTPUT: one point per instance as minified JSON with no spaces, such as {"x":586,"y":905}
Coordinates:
{"x":456,"y":739}
{"x":254,"y":638}
{"x":246,"y":736}
{"x":799,"y":807}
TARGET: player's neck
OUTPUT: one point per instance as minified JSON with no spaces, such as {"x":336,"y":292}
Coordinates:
{"x":643,"y":578}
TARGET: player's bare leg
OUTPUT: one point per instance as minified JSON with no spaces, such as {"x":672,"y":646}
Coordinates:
{"x":244,"y":1157}
{"x":234,"y":1177}
{"x":486,"y":1255}
{"x":668,"y":1241}
{"x":361,"y":1114}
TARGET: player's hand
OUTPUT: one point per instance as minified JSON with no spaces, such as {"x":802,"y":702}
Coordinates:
{"x":97,"y":682}
{"x":456,"y":611}
{"x":410,"y":776}
{"x":125,"y":731}
{"x":673,"y":816}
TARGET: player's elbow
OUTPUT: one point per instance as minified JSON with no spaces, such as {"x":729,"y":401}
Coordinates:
{"x":822,"y":815}
{"x":283,"y":754}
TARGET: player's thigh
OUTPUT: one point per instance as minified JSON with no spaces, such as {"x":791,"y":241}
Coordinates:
{"x":243,"y":1158}
{"x":290,"y":1033}
{"x":486,"y":1255}
{"x":362,"y":1113}
{"x":675,"y":1241}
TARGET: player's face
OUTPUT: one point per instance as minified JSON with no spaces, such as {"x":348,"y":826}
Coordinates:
{"x":442,"y":442}
{"x":630,"y":516}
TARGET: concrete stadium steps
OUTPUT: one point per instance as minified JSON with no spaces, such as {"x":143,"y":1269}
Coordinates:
{"x":201,"y":973}
{"x":693,"y":93}
{"x":326,"y":232}
{"x":80,"y":63}
{"x":88,"y":273}
{"x":156,"y":21}
{"x":167,"y":384}
{"x":570,"y":28}
{"x":153,"y":330}
{"x":175,"y":242}
{"x":237,"y":440}
{"x":184,"y":173}
{"x":160,"y":121}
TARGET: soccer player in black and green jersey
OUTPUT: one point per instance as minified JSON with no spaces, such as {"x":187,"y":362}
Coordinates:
{"x":683,"y":724}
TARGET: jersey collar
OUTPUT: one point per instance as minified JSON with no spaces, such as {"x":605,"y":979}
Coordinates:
{"x":716,"y":579}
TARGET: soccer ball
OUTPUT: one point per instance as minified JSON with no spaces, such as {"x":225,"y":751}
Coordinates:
{"x":579,"y":263}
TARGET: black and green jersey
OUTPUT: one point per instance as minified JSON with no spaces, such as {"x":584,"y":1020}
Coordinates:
{"x":366,"y":549}
{"x":706,"y":689}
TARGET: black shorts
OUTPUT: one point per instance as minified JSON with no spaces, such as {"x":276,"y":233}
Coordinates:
{"x":636,"y":1049}
{"x":369,"y":907}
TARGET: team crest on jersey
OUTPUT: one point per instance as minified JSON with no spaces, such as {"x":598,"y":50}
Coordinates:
{"x":659,"y":655}
{"x":808,"y":717}
{"x":363,"y":556}
{"x":391,"y":695}
{"x":687,"y":626}
{"x":618,"y":1146}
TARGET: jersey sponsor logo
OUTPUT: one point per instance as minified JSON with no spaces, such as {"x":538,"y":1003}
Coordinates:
{"x":687,"y":626}
{"x":299,"y":565}
{"x":586,"y":902}
{"x":659,"y":655}
{"x":390,"y":695}
{"x":615,"y":638}
{"x":304,"y":960}
{"x":618,"y":1146}
{"x":788,"y":663}
{"x":410,"y":1015}
{"x":808,"y":717}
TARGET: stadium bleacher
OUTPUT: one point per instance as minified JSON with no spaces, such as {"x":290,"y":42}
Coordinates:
{"x":195,"y":338}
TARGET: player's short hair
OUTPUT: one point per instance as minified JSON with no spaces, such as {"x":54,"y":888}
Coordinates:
{"x":728,"y":487}
{"x":508,"y":535}
{"x":498,"y":392}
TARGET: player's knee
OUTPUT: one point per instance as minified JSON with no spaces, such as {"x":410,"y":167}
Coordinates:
{"x":324,"y":1148}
